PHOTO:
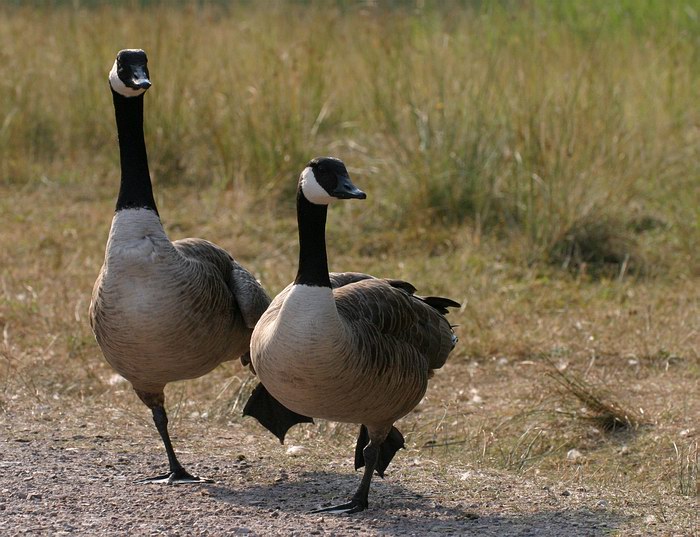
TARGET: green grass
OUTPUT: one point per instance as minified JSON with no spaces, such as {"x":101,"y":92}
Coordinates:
{"x":556,"y":126}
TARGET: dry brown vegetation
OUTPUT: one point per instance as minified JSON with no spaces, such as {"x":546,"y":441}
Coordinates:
{"x":567,"y":227}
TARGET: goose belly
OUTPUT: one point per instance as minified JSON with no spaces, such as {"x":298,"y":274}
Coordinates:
{"x":152,"y":335}
{"x":321,"y":382}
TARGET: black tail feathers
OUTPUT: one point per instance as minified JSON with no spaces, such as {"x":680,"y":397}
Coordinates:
{"x":440,"y":303}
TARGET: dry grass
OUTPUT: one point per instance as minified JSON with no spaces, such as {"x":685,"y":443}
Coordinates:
{"x":492,"y":406}
{"x":557,"y":126}
{"x":688,"y":457}
{"x":599,"y":406}
{"x":549,"y":150}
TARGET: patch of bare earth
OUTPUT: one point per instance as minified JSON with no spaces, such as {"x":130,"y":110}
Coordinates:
{"x":70,"y":467}
{"x":81,"y":480}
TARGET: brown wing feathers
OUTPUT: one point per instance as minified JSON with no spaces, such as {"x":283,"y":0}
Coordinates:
{"x":251,"y":298}
{"x":386,"y":314}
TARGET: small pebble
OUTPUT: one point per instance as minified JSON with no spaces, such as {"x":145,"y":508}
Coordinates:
{"x":295,"y":451}
{"x":574,"y":455}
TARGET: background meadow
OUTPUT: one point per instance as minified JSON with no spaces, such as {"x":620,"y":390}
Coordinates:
{"x":538,"y":161}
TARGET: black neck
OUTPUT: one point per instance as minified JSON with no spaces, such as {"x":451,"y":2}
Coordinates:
{"x":135,"y":191}
{"x":313,"y":261}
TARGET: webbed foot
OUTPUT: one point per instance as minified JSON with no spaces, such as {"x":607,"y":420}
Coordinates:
{"x":388,"y":448}
{"x":178,"y":477}
{"x":272,"y":414}
{"x":353,"y":506}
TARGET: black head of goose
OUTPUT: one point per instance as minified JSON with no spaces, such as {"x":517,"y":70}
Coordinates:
{"x":346,"y":347}
{"x":163,"y":311}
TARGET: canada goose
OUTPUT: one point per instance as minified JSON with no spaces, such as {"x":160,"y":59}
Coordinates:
{"x":163,"y":311}
{"x":346,"y":346}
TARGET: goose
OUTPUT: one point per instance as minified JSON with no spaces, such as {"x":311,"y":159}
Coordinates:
{"x":344,"y":347}
{"x":163,"y":311}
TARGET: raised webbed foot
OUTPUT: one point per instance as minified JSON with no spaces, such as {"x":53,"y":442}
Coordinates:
{"x":272,"y":414}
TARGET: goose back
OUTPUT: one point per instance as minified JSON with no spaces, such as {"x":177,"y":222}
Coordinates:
{"x":389,"y":310}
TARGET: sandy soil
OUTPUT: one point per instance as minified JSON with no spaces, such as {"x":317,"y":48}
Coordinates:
{"x":72,"y":475}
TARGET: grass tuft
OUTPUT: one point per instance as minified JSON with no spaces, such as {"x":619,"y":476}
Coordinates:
{"x":603,"y":246}
{"x":688,"y":462}
{"x":600,"y":407}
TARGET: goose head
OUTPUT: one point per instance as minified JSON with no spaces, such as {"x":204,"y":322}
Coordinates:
{"x":326,"y":179}
{"x":129,"y":75}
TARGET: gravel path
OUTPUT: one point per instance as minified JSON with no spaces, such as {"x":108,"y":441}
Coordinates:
{"x":80,"y":480}
{"x":64,"y":472}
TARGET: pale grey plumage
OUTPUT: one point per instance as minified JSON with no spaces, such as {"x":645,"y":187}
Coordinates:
{"x":165,"y":311}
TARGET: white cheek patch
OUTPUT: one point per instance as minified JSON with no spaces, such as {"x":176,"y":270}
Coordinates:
{"x":119,"y":86}
{"x":314,"y":192}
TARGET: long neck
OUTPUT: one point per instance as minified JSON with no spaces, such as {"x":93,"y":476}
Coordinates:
{"x":313,"y":261}
{"x":135,"y":191}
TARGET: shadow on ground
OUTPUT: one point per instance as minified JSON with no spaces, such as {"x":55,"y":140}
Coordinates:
{"x":84,"y":484}
{"x":395,"y":510}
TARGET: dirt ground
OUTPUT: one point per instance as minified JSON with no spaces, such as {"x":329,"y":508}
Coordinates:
{"x":71,"y":468}
{"x":80,"y":480}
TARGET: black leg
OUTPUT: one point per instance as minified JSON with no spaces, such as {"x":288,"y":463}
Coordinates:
{"x":359,"y":501}
{"x":177,"y":473}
